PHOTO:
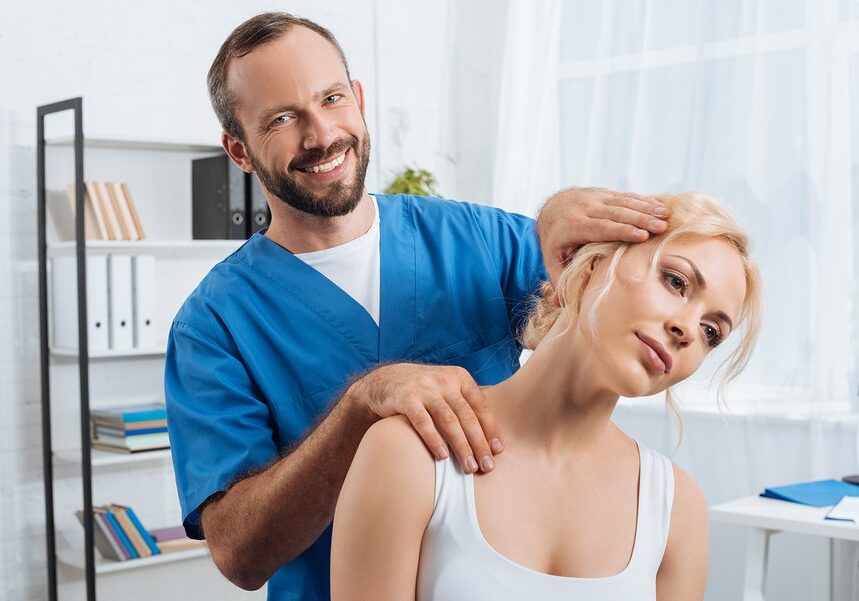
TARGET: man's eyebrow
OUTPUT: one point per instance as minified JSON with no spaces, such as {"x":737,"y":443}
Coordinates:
{"x":700,"y":278}
{"x":288,"y":108}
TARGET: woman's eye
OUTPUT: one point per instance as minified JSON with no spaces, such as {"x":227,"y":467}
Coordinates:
{"x":714,"y":336}
{"x":675,"y":281}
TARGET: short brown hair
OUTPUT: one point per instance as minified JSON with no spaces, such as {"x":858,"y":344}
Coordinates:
{"x":251,"y":34}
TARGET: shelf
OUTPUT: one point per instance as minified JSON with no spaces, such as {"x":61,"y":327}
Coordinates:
{"x":154,"y":247}
{"x":75,"y":558}
{"x":136,"y":144}
{"x":158,"y":351}
{"x":100,"y":458}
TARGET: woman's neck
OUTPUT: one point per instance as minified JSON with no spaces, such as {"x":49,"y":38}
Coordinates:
{"x":556,"y":401}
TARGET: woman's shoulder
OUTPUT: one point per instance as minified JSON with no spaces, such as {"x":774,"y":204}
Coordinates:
{"x":683,"y":571}
{"x":686,"y":548}
{"x":687,"y":496}
{"x":394,"y":439}
{"x":393,"y":466}
{"x":690,"y":505}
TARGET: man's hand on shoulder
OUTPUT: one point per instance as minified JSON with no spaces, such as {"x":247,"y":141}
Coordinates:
{"x":577,"y":216}
{"x":443,"y":403}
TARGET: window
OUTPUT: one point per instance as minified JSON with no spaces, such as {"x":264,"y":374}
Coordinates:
{"x":754,"y":103}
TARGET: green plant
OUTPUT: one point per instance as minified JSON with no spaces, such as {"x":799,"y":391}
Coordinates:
{"x":418,"y":182}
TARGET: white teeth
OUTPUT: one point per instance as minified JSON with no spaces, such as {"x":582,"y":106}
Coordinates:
{"x":326,"y":167}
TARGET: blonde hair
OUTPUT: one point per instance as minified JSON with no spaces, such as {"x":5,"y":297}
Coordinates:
{"x":692,"y":214}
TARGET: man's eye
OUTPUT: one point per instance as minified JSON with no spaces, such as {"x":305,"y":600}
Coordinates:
{"x":281,"y":119}
{"x":333,"y":98}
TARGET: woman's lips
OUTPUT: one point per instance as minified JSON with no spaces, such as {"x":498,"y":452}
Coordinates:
{"x":658,"y":357}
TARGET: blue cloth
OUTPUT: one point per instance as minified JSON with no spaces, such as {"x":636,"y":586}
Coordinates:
{"x":819,"y":493}
{"x":266,"y":344}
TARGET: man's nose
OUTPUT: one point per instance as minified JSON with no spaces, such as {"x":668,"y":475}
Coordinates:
{"x":319,"y":133}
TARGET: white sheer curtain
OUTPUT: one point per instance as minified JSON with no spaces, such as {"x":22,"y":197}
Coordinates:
{"x":751,"y":101}
{"x":526,"y":156}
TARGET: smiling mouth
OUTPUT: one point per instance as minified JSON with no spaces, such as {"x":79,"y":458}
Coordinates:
{"x":327,"y":166}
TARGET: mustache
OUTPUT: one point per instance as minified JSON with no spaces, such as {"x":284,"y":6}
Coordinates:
{"x":318,"y":155}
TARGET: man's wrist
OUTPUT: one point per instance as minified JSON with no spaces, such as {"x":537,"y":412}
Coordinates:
{"x":356,"y":404}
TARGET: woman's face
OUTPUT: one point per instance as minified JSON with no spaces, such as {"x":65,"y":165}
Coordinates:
{"x":656,"y":325}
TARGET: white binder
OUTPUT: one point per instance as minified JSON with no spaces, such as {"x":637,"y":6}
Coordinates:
{"x":120,"y":305}
{"x":142,"y":288}
{"x":64,"y":302}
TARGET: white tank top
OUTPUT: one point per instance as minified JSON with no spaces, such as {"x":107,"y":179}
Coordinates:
{"x":458,"y":564}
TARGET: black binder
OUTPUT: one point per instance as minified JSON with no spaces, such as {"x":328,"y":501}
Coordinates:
{"x":259,"y":215}
{"x":219,"y":192}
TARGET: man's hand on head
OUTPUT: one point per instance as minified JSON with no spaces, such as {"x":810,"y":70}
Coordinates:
{"x":443,"y":403}
{"x":577,"y":216}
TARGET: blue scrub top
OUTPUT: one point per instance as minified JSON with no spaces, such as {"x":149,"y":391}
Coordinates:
{"x":265,"y":344}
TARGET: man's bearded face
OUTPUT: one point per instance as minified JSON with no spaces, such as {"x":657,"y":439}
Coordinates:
{"x":328,"y":192}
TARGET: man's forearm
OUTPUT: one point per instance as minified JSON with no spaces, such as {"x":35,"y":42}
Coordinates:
{"x":268,"y":519}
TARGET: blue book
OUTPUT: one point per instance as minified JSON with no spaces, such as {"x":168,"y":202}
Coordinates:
{"x":132,"y":552}
{"x":819,"y":493}
{"x":147,"y":538}
{"x":128,"y":433}
{"x":133,"y":433}
{"x":136,"y":413}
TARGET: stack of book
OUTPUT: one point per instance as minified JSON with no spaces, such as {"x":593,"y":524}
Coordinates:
{"x":119,"y":535}
{"x":130,"y":429}
{"x":171,"y":540}
{"x":109,"y":211}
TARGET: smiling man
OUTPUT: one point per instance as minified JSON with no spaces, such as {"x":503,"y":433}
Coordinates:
{"x":349,"y":308}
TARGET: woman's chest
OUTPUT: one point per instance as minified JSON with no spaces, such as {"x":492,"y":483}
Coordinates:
{"x":579,"y":523}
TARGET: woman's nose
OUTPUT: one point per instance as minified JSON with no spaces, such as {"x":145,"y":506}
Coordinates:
{"x":681,"y":333}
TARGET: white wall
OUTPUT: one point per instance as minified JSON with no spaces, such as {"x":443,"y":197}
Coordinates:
{"x":141,"y":71}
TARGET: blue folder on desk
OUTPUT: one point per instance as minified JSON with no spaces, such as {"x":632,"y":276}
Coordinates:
{"x":817,"y":494}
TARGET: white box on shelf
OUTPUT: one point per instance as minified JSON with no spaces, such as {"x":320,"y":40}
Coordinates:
{"x":119,"y":292}
{"x":143,"y":290}
{"x":64,"y":304}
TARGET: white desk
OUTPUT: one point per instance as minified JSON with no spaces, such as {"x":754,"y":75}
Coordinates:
{"x":770,"y":516}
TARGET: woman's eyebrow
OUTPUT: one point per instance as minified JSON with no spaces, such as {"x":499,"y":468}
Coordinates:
{"x":700,"y":279}
{"x":695,"y":270}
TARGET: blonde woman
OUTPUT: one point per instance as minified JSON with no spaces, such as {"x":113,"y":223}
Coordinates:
{"x":575,"y":508}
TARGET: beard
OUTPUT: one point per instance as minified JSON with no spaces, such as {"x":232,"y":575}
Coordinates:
{"x":339,"y":199}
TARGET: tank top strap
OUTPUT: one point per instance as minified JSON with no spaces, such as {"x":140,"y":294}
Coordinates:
{"x":655,"y":501}
{"x":451,"y":496}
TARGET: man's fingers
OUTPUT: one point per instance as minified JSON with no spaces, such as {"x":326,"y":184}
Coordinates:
{"x":448,"y":423}
{"x":479,"y":453}
{"x":423,"y":423}
{"x":605,"y":230}
{"x":640,"y":220}
{"x":491,"y":430}
{"x":642,"y":204}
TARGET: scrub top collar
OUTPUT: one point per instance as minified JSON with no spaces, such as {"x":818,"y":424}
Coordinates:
{"x":394,"y":337}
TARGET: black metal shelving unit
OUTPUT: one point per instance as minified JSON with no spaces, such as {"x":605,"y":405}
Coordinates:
{"x":75,"y":105}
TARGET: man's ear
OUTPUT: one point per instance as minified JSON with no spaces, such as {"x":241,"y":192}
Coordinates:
{"x":235,"y":149}
{"x":358,"y":90}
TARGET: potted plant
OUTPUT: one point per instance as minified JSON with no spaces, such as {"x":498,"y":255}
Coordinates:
{"x":414,"y":181}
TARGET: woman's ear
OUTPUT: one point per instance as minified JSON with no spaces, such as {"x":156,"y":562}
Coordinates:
{"x":585,"y":277}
